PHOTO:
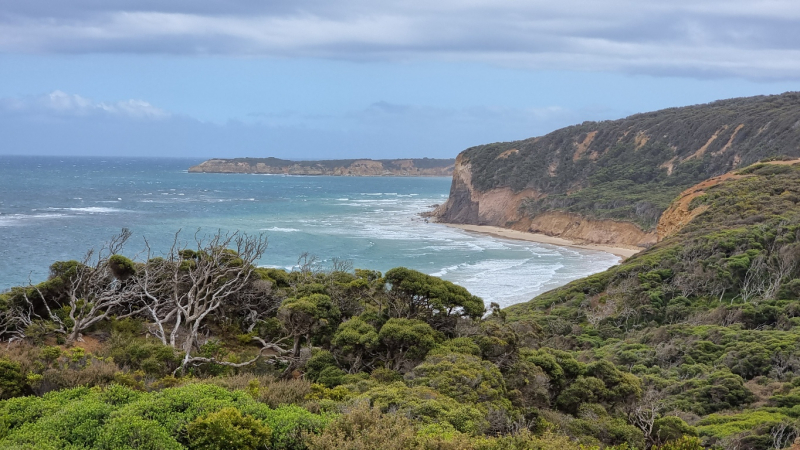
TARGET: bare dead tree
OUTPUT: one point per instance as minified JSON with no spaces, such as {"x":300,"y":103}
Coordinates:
{"x":93,"y":292}
{"x":604,"y":309}
{"x":783,"y":434}
{"x":13,"y":322}
{"x":754,"y":284}
{"x":253,"y":304}
{"x":784,"y":363}
{"x":644,"y":412}
{"x":156,"y":289}
{"x":307,"y":264}
{"x":783,"y":262}
{"x":176,"y":293}
{"x":182,"y":290}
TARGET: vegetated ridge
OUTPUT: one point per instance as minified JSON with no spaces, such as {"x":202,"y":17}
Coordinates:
{"x":419,"y":167}
{"x":691,"y":344}
{"x":609,"y":182}
{"x":709,"y":317}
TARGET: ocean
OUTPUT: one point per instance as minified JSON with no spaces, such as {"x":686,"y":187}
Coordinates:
{"x":56,"y":208}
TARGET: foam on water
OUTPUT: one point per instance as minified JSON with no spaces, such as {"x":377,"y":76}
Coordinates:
{"x":91,"y":210}
{"x":281,"y":230}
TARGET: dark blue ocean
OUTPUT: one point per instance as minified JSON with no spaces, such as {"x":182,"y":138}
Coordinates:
{"x":56,"y":208}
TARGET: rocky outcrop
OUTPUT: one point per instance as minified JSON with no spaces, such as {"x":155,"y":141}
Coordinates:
{"x":424,"y":167}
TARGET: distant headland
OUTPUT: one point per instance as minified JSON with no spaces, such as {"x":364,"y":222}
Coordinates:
{"x":420,"y":167}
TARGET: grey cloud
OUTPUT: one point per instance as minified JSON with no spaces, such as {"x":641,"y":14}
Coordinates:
{"x":712,"y":37}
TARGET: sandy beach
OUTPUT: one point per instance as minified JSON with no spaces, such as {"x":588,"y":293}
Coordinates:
{"x":622,"y":252}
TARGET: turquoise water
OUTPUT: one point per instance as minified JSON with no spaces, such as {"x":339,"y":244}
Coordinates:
{"x":55,"y":208}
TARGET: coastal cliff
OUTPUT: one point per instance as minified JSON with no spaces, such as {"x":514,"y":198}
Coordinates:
{"x":424,"y":167}
{"x":609,"y":182}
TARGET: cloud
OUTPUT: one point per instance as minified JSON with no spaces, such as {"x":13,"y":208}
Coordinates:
{"x":63,"y":123}
{"x":59,"y":103}
{"x":673,"y":37}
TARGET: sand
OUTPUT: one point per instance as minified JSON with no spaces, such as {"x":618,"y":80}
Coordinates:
{"x":622,"y":251}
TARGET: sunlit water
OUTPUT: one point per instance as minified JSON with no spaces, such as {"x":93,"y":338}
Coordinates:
{"x":55,"y":208}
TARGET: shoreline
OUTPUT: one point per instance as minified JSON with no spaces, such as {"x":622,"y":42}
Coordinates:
{"x":623,"y":252}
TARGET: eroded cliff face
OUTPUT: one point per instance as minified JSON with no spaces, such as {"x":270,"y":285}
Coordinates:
{"x":501,"y":207}
{"x":460,"y":207}
{"x":359,"y":167}
{"x":585,"y":230}
{"x":680,"y":213}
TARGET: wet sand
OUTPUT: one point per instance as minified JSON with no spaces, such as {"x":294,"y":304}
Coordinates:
{"x":623,"y":252}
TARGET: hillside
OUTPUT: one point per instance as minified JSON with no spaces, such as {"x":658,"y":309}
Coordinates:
{"x":691,"y":344}
{"x":708,"y":318}
{"x":339,"y":167}
{"x":609,"y":182}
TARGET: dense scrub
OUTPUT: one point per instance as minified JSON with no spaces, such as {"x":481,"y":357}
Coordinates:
{"x":692,"y":343}
{"x":708,"y":318}
{"x":631,"y":169}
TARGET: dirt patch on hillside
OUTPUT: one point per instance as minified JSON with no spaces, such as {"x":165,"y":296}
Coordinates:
{"x":507,"y":153}
{"x":730,"y":141}
{"x":702,"y":150}
{"x":640,"y":140}
{"x":581,"y":147}
{"x":678,"y":215}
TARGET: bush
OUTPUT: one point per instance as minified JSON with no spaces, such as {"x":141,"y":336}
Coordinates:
{"x":128,"y":433}
{"x":286,"y":392}
{"x":463,"y":377}
{"x":227,"y":429}
{"x":364,"y":428}
{"x":117,"y":417}
{"x":12,"y":380}
{"x":671,"y":428}
{"x":427,"y":406}
{"x":122,"y":267}
{"x":684,"y":443}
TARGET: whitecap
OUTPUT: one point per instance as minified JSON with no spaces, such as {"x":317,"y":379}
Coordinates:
{"x":88,"y":210}
{"x":93,"y":210}
{"x":19,"y":219}
{"x":281,"y":230}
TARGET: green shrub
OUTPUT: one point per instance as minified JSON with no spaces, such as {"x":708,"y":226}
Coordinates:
{"x":463,"y":377}
{"x":122,"y":267}
{"x":671,"y":428}
{"x":684,"y":443}
{"x":12,"y":381}
{"x":227,"y":429}
{"x":331,"y":377}
{"x":128,"y":433}
{"x":362,"y":428}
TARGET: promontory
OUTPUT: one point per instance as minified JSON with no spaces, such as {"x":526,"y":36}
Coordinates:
{"x":420,"y":167}
{"x":612,"y":182}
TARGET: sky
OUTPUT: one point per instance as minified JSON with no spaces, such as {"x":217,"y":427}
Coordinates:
{"x":313,"y":79}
